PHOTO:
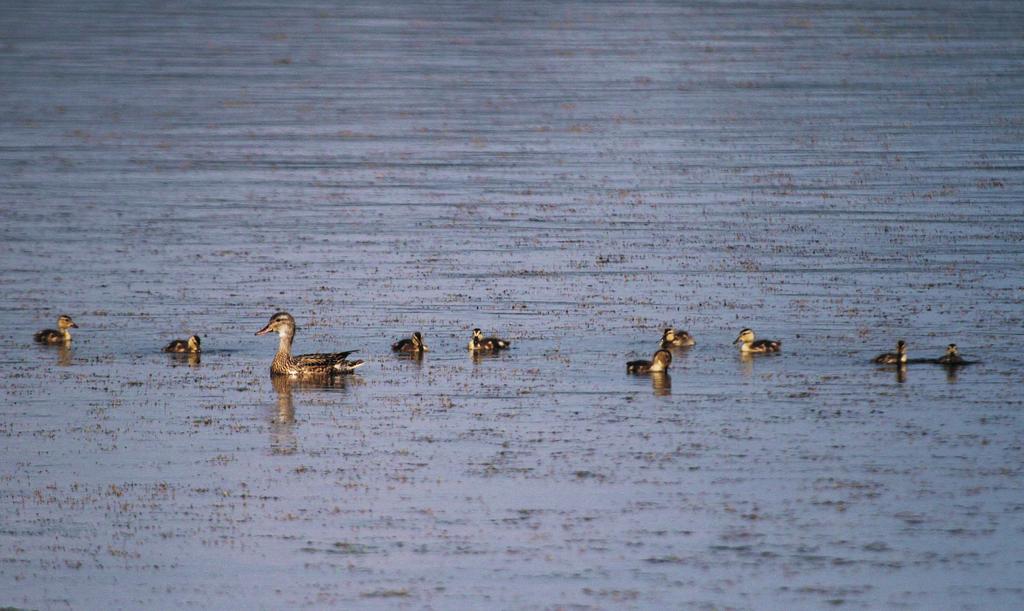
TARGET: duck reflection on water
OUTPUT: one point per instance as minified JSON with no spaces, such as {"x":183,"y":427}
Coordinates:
{"x":282,"y":422}
{"x":661,"y":383}
{"x":283,"y":440}
{"x":192,"y":359}
{"x":64,"y":355}
{"x":746,"y":364}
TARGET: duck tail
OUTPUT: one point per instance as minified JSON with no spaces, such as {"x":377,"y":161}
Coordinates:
{"x":351,"y":365}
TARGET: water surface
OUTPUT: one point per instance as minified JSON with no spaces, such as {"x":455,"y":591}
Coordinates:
{"x":574,"y":176}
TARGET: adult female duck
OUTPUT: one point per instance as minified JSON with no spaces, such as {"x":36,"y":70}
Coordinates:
{"x":303,"y":365}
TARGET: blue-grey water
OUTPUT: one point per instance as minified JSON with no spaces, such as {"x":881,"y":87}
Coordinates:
{"x":574,"y":176}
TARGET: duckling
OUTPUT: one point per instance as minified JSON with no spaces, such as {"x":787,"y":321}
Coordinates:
{"x":676,"y":339}
{"x":894,"y":358}
{"x":658,"y":363}
{"x":412,"y":344}
{"x":184,"y":345}
{"x":952,"y":358}
{"x":52,"y":336}
{"x":487,"y":344}
{"x":747,"y":343}
{"x":304,"y":365}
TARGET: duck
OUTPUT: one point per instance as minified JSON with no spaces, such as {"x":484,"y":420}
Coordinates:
{"x":894,"y":358}
{"x":412,"y":344}
{"x":184,"y":345}
{"x":952,"y":357}
{"x":748,"y":344}
{"x":304,"y":365}
{"x":479,"y":343}
{"x":658,"y":363}
{"x":55,"y":336}
{"x":672,"y":338}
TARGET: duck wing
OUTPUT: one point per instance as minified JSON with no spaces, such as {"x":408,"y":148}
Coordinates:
{"x":178,"y":345}
{"x":326,"y":360}
{"x":638,"y":366}
{"x":48,"y":335}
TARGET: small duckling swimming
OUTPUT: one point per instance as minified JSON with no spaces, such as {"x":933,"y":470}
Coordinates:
{"x":894,"y":358}
{"x":479,"y":343}
{"x":952,"y":357}
{"x":304,"y":365}
{"x":412,"y":344}
{"x":658,"y":363}
{"x":748,"y":344}
{"x":52,"y":336}
{"x":184,"y":345}
{"x":672,"y":338}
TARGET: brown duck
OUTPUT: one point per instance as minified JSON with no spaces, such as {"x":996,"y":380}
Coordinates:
{"x":658,"y":363}
{"x":894,"y":358}
{"x":749,"y":344}
{"x":479,"y":343}
{"x":53,"y":336}
{"x":184,"y":345}
{"x":410,"y":345}
{"x":672,"y":338}
{"x":303,"y":365}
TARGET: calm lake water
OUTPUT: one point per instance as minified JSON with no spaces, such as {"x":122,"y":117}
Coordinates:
{"x":574,"y":176}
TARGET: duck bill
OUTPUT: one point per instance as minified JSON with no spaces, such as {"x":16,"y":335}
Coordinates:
{"x":74,"y":325}
{"x":735,"y":341}
{"x":264,"y":330}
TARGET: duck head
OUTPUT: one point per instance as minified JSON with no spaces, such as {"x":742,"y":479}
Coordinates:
{"x":661,"y":360}
{"x":746,"y":336}
{"x":282,"y":323}
{"x":65,"y":322}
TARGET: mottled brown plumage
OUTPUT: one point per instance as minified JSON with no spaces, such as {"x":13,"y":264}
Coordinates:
{"x":304,"y":365}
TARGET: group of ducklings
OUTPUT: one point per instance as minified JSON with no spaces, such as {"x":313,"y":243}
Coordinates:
{"x":674,"y":338}
{"x":951,"y":358}
{"x":336,"y":363}
{"x":62,"y":335}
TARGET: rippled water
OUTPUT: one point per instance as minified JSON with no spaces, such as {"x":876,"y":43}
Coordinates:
{"x":574,"y":176}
